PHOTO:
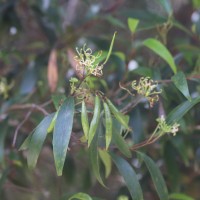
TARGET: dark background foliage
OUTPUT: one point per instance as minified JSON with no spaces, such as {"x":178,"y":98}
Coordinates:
{"x":31,"y":30}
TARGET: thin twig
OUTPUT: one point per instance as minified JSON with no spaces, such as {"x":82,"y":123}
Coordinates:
{"x":19,"y":126}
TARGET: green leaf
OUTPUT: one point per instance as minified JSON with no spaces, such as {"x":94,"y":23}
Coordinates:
{"x":129,"y":176}
{"x":181,"y":83}
{"x":58,"y":100}
{"x":62,"y":133}
{"x":94,"y":155}
{"x":105,"y":157}
{"x":37,"y":140}
{"x":80,"y":196}
{"x":156,"y":176}
{"x":132,"y":24}
{"x":110,"y":49}
{"x":4,"y":130}
{"x":52,"y":124}
{"x":177,"y":113}
{"x":166,"y":5}
{"x":119,"y":140}
{"x":179,"y":196}
{"x":25,"y":144}
{"x":162,"y":51}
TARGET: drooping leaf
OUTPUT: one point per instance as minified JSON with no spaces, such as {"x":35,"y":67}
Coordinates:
{"x":52,"y":124}
{"x":179,"y":196}
{"x":94,"y":155}
{"x":106,"y":159}
{"x":177,"y":113}
{"x":119,"y":140}
{"x":156,"y":176}
{"x":162,"y":51}
{"x":166,"y":5}
{"x":52,"y":71}
{"x":110,"y":49}
{"x":37,"y":140}
{"x":181,"y":83}
{"x":132,"y":24}
{"x":80,"y":196}
{"x":62,"y":133}
{"x":58,"y":99}
{"x":129,"y":176}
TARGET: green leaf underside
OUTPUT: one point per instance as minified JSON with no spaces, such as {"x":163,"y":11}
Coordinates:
{"x":119,"y":140}
{"x":110,"y":49}
{"x":80,"y":196}
{"x":25,"y":144}
{"x":94,"y":155}
{"x":162,"y":51}
{"x":179,"y":196}
{"x":3,"y":128}
{"x":132,"y":24}
{"x":36,"y":140}
{"x":106,"y":159}
{"x":177,"y":113}
{"x":129,"y":176}
{"x":181,"y":83}
{"x":62,"y":133}
{"x":156,"y":176}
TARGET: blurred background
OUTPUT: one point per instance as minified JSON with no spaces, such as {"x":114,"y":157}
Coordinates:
{"x":38,"y":39}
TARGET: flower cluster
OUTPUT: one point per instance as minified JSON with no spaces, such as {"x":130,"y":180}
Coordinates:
{"x":147,"y":88}
{"x":165,"y":128}
{"x":87,"y":63}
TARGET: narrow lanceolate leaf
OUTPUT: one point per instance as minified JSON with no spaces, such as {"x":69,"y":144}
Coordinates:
{"x":52,"y":124}
{"x":181,"y":83}
{"x":156,"y":176}
{"x":84,"y":120}
{"x":162,"y":51}
{"x":132,"y":24}
{"x":106,"y":159}
{"x":62,"y":133}
{"x":110,"y":49}
{"x":25,"y":144}
{"x":4,"y":129}
{"x":177,"y":113}
{"x":94,"y":155}
{"x":80,"y":196}
{"x":166,"y":5}
{"x":129,"y":176}
{"x":52,"y":71}
{"x":37,"y":140}
{"x":118,"y":115}
{"x":95,"y":120}
{"x":108,"y":124}
{"x":119,"y":140}
{"x":179,"y":196}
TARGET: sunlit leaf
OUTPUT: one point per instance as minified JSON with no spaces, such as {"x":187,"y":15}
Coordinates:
{"x":129,"y":176}
{"x":181,"y":83}
{"x":80,"y":196}
{"x":37,"y":140}
{"x":62,"y":133}
{"x":162,"y":51}
{"x":156,"y":176}
{"x":106,"y":159}
{"x":132,"y":24}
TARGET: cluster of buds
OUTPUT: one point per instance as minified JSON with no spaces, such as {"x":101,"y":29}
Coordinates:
{"x":5,"y":87}
{"x":87,"y":63}
{"x":147,"y":88}
{"x":165,"y":128}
